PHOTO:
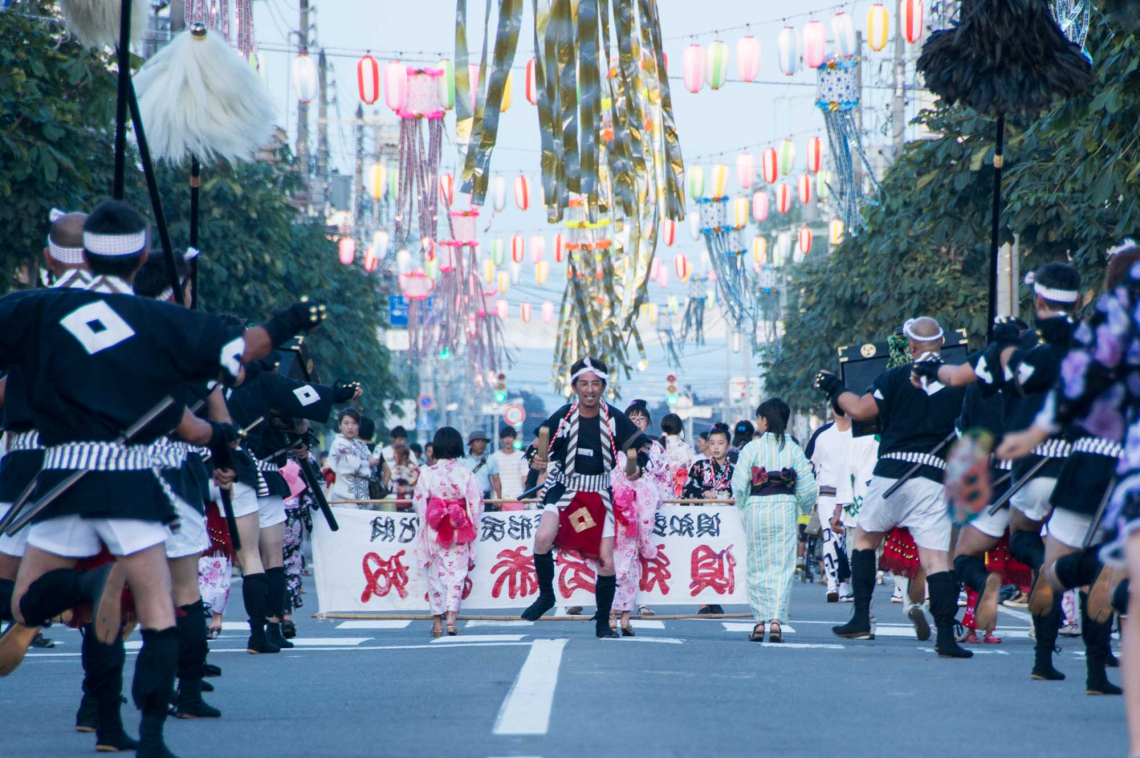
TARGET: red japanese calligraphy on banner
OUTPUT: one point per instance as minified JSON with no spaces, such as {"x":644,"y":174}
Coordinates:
{"x":712,"y":570}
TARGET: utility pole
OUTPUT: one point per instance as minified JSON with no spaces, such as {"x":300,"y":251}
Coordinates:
{"x":321,"y":195}
{"x":898,"y":100}
{"x":358,"y":175}
{"x":303,"y":108}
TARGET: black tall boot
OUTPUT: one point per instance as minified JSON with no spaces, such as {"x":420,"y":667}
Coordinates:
{"x":1045,"y":629}
{"x":154,"y":681}
{"x":944,"y":608}
{"x":103,"y":686}
{"x":862,"y":586}
{"x":604,"y":589}
{"x":1077,"y":569}
{"x":1120,"y":597}
{"x":87,"y":717}
{"x":253,"y":593}
{"x":1029,"y":548}
{"x":1096,"y":637}
{"x":544,"y":571}
{"x":275,"y":606}
{"x":192,"y":648}
{"x":7,"y":588}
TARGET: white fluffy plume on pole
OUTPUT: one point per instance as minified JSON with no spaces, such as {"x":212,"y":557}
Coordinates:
{"x":197,"y":95}
{"x":95,"y":23}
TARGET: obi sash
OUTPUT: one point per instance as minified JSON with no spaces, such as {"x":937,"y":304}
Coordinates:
{"x":449,"y":520}
{"x":768,"y":483}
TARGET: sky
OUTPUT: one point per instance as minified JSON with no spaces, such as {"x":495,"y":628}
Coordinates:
{"x":713,"y":127}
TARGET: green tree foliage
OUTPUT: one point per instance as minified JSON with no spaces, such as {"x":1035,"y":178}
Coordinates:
{"x":1071,"y":188}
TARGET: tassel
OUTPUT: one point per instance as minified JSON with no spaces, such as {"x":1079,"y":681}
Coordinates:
{"x":95,"y":23}
{"x":197,"y":95}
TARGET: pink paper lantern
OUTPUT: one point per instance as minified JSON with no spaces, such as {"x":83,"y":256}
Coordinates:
{"x":770,"y":165}
{"x":760,"y":206}
{"x":396,"y":85}
{"x":368,"y":80}
{"x":663,"y":277}
{"x":346,"y":250}
{"x":694,"y":63}
{"x":815,"y":44}
{"x":547,"y":312}
{"x":502,"y":308}
{"x":745,"y":170}
{"x":748,"y":58}
{"x":537,"y":248}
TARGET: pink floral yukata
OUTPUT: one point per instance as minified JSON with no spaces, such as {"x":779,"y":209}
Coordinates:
{"x":635,"y":508}
{"x":449,"y":502}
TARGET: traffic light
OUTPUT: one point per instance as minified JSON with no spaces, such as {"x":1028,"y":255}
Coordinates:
{"x":501,"y":388}
{"x":671,"y":396}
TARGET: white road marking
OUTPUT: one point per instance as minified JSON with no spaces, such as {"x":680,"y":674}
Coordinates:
{"x":370,"y":625}
{"x":526,"y":709}
{"x":1016,"y":614}
{"x":645,"y":624}
{"x":666,"y":640}
{"x":480,"y":638}
{"x":328,"y":641}
{"x":473,"y":624}
{"x":975,"y":652}
{"x":235,"y":626}
{"x":747,"y":626}
{"x":804,"y":645}
{"x":322,"y":649}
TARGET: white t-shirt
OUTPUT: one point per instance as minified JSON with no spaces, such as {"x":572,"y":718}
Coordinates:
{"x":512,"y":469}
{"x":830,"y":460}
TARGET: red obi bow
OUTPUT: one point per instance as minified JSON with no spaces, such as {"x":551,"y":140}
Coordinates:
{"x":449,"y":520}
{"x":624,"y":512}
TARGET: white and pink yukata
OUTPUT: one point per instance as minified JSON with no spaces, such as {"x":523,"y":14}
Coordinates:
{"x":449,"y":502}
{"x":635,"y":509}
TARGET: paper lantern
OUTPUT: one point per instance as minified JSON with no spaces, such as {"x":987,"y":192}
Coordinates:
{"x":716,"y":65}
{"x":783,"y":198}
{"x":783,"y":248}
{"x":814,"y":154}
{"x":447,"y":189}
{"x":835,"y":232}
{"x":843,"y":30}
{"x":878,"y":27}
{"x":655,"y":269}
{"x":537,"y":248}
{"x":518,"y":248}
{"x":695,"y":225}
{"x":663,"y":277}
{"x":498,"y":252}
{"x":368,"y":80}
{"x":447,"y":258}
{"x":788,"y":50}
{"x":473,"y":72}
{"x":787,"y":156}
{"x":760,"y":250}
{"x":504,"y":282}
{"x":815,"y":44}
{"x":718,"y":184}
{"x":403,"y":260}
{"x":524,"y":311}
{"x":760,"y":206}
{"x":498,"y":193}
{"x":502,"y":308}
{"x":522,"y":192}
{"x":531,"y":88}
{"x":559,"y":248}
{"x":696,"y":176}
{"x":541,"y":272}
{"x":694,"y":61}
{"x":651,"y":310}
{"x":803,"y":189}
{"x":431,"y":268}
{"x":505,"y":105}
{"x":770,"y":165}
{"x":393,"y":180}
{"x":547,"y":311}
{"x":748,"y":58}
{"x":805,"y":240}
{"x":745,"y":170}
{"x":447,"y":85}
{"x":416,"y":285}
{"x":910,"y":19}
{"x":380,"y":243}
{"x":683,"y":268}
{"x":488,"y":271}
{"x":740,"y":212}
{"x":374,"y":181}
{"x":305,"y":78}
{"x":346,"y":250}
{"x":396,"y":85}
{"x":369,"y":259}
{"x":822,"y":185}
{"x":668,"y":232}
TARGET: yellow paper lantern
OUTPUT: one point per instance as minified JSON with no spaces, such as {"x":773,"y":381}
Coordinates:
{"x":878,"y":26}
{"x":374,"y":181}
{"x":836,"y":231}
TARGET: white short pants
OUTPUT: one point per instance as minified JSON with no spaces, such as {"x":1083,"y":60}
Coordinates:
{"x":191,"y":536}
{"x":270,"y":511}
{"x":919,"y":505}
{"x":608,"y":529}
{"x":1033,"y":498}
{"x":75,"y":537}
{"x":1070,"y":528}
{"x":14,"y":546}
{"x":244,"y":499}
{"x":992,"y":526}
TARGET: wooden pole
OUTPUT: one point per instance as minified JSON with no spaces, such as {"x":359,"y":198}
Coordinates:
{"x":999,"y":162}
{"x":584,"y":617}
{"x":124,"y":57}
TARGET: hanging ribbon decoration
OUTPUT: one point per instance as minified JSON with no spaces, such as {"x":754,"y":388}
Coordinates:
{"x":837,"y":98}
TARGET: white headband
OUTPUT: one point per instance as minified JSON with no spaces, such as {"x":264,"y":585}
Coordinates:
{"x":1127,"y":244}
{"x":70,"y":256}
{"x":114,"y":244}
{"x":589,"y":369}
{"x":1056,"y":296}
{"x":912,"y":336}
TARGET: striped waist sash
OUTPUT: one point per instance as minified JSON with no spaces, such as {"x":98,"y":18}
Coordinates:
{"x":1054,"y":449}
{"x":26,"y":440}
{"x":1098,"y":446}
{"x":108,"y":456}
{"x":926,"y":459}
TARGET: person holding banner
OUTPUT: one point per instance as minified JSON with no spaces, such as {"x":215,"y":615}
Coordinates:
{"x":772,"y":484}
{"x":449,"y":501}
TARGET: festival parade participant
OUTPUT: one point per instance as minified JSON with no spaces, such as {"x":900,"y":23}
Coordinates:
{"x":449,"y":502}
{"x":1026,"y":365}
{"x":828,"y":451}
{"x":711,"y":478}
{"x":773,"y":484}
{"x":678,"y":452}
{"x":916,"y":425}
{"x":577,"y":495}
{"x":108,"y":379}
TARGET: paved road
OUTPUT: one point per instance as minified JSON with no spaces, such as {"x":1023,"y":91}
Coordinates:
{"x":680,"y":688}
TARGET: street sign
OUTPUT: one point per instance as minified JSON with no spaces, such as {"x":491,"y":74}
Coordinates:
{"x":490,"y":409}
{"x":514,"y":415}
{"x":697,"y":411}
{"x":397,"y":311}
{"x":426,"y":402}
{"x":398,"y":340}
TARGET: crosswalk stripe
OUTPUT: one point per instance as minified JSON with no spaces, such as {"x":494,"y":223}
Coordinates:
{"x":646,"y":624}
{"x":481,"y":638}
{"x":738,"y":626}
{"x":328,"y":641}
{"x":526,"y":709}
{"x":474,"y":624}
{"x":373,"y":625}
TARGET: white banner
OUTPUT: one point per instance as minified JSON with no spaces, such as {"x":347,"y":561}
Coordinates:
{"x":369,"y":563}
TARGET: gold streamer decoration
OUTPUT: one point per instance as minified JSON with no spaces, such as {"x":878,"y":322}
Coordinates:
{"x":610,"y":153}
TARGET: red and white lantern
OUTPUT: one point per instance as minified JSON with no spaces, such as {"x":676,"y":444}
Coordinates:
{"x":447,"y":189}
{"x":683,"y":268}
{"x":524,"y":309}
{"x":531,"y":83}
{"x":783,"y":198}
{"x":669,"y":232}
{"x":748,"y":58}
{"x":803,"y":189}
{"x":655,"y":269}
{"x":814,"y":154}
{"x":522,"y":192}
{"x":805,"y":240}
{"x":518,"y":248}
{"x":369,"y":259}
{"x":760,"y":206}
{"x":368,"y":80}
{"x":911,"y":19}
{"x":770,"y":165}
{"x":559,"y":248}
{"x":745,"y":170}
{"x":396,"y":85}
